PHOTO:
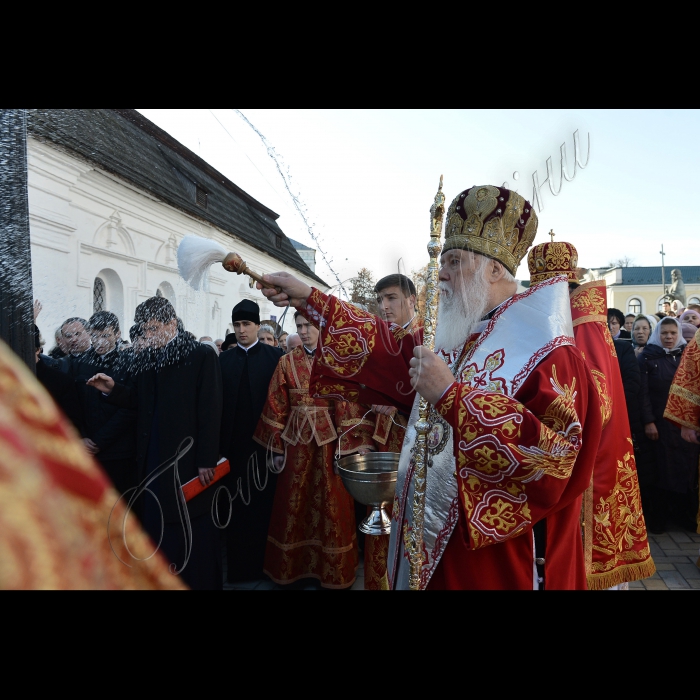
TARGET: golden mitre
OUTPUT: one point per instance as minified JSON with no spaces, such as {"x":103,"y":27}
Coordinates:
{"x":493,"y":221}
{"x":551,"y":259}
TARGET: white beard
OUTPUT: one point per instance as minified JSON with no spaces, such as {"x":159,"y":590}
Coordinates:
{"x":458,"y":313}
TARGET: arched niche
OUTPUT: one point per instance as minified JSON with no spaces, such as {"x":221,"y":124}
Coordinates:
{"x":165,"y":289}
{"x":113,"y":236}
{"x":113,"y":293}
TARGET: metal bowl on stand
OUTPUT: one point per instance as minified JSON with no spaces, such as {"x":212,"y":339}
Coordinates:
{"x":371,"y":480}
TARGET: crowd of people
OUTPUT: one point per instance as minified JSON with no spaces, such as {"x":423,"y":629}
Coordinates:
{"x":667,"y":464}
{"x":243,"y":398}
{"x":557,"y":428}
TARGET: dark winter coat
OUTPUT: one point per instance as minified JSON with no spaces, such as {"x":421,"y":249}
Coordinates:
{"x":177,"y":394}
{"x":676,"y":459}
{"x":62,"y":390}
{"x":111,"y":428}
{"x":631,"y":381}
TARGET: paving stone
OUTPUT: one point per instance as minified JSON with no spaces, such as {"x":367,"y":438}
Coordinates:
{"x":663,"y":541}
{"x":680,"y":537}
{"x":359,"y":584}
{"x":673,"y":560}
{"x":655,"y":550}
{"x":636,"y":584}
{"x":655,"y":585}
{"x":694,"y":583}
{"x":675,"y":553}
{"x":688,"y":571}
{"x":266,"y":585}
{"x":673,"y":579}
{"x":664,"y":566}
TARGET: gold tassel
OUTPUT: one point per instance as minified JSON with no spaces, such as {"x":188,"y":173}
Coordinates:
{"x":623,"y":574}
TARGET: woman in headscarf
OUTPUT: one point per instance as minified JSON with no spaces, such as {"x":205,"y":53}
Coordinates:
{"x":691,"y":316}
{"x":641,"y":330}
{"x":672,"y":489}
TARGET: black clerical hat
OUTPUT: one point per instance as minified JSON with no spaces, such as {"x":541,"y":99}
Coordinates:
{"x":246,"y":310}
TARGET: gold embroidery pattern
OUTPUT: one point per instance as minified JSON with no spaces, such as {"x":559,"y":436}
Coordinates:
{"x":618,"y":525}
{"x":685,"y":394}
{"x":493,"y":468}
{"x":587,"y":319}
{"x":684,"y":398}
{"x":603,"y":395}
{"x":590,"y":300}
{"x":560,"y":437}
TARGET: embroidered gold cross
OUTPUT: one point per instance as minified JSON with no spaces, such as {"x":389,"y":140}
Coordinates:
{"x":552,"y":234}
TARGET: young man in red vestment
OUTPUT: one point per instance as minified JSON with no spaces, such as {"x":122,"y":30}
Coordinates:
{"x":396,"y":300}
{"x":312,"y":528}
{"x":515,"y":424}
{"x":615,"y":535}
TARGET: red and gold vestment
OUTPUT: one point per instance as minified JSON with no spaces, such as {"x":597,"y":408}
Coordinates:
{"x":683,"y":406}
{"x":614,"y":531}
{"x":312,"y":529}
{"x":514,"y":439}
{"x":55,"y":503}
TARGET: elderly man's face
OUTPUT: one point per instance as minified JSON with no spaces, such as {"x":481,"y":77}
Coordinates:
{"x":76,"y":337}
{"x":455,"y":266}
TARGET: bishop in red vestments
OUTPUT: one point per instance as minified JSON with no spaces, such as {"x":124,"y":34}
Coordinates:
{"x":515,"y":422}
{"x":616,"y":548}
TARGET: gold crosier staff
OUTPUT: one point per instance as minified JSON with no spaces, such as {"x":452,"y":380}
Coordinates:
{"x":413,"y":540}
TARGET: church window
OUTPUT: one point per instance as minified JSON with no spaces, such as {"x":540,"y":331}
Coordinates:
{"x":99,"y":295}
{"x":694,"y":300}
{"x":278,"y":242}
{"x":634,"y":306}
{"x":201,"y":197}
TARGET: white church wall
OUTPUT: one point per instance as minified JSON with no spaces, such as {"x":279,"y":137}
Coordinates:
{"x":86,"y":223}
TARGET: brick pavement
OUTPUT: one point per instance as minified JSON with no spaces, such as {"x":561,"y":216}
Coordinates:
{"x":675,"y":555}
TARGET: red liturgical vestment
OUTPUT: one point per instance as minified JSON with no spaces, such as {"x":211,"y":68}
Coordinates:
{"x":513,"y":440}
{"x":683,"y":406}
{"x":312,"y":529}
{"x":62,"y":524}
{"x":615,"y":535}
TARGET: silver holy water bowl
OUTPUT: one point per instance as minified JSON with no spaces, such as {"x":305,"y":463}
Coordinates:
{"x":371,"y":480}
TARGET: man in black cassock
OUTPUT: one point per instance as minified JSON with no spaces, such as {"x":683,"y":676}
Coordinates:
{"x":246,"y":371}
{"x":176,"y":390}
{"x":109,"y":432}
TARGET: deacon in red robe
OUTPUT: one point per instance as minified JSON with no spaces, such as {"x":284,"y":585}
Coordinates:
{"x":515,"y":421}
{"x":312,"y":528}
{"x":616,"y":548}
